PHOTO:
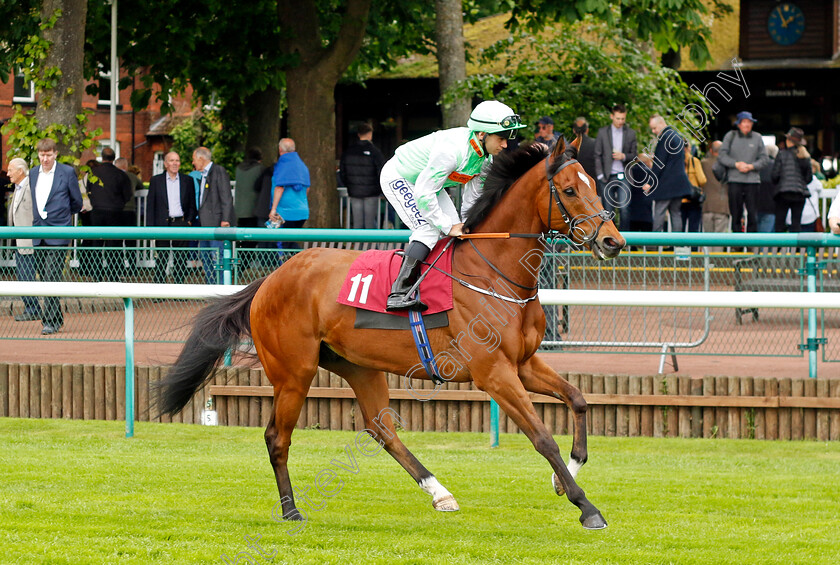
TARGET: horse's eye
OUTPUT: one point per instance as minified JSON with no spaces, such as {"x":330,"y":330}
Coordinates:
{"x":569,"y":191}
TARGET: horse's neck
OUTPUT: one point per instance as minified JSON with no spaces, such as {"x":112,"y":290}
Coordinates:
{"x":518,"y":258}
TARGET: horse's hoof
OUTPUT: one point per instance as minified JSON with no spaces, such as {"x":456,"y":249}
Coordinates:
{"x":594,"y":522}
{"x":446,"y":504}
{"x":558,"y":487}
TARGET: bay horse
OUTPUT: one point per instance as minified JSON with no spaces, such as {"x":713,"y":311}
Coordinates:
{"x":297,"y":325}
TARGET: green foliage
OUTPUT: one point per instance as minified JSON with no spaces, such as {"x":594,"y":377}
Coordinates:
{"x":20,"y":21}
{"x":580,"y":69}
{"x":203,"y":129}
{"x":668,"y":24}
{"x":23,"y":128}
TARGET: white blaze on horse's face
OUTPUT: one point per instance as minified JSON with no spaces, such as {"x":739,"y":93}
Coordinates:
{"x":584,"y":178}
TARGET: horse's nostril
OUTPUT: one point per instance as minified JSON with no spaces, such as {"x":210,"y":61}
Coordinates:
{"x":611,"y":243}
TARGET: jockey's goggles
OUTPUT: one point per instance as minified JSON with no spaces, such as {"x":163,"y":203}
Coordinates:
{"x":510,"y":124}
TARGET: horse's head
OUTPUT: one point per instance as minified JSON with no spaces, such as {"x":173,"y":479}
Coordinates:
{"x":571,"y":204}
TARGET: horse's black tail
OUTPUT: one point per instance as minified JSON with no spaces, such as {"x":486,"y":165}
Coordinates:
{"x":216,"y":329}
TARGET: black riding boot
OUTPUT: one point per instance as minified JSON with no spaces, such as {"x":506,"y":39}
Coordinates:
{"x":409,"y":271}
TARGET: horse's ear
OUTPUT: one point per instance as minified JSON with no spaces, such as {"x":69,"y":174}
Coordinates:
{"x":576,"y":143}
{"x":559,"y":148}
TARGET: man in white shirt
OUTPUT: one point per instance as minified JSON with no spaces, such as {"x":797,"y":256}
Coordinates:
{"x":55,"y":198}
{"x":615,"y":148}
{"x":171,"y":203}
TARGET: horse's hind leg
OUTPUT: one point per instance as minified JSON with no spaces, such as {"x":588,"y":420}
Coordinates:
{"x":538,"y":377}
{"x":289,"y":396}
{"x":371,"y":389}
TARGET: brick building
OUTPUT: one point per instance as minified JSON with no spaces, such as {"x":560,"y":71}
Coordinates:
{"x":142,"y":137}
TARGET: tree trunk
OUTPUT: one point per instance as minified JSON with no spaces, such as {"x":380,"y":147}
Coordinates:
{"x":61,"y":104}
{"x":310,"y":92}
{"x":452,"y":62}
{"x":312,"y":126}
{"x":263,"y":110}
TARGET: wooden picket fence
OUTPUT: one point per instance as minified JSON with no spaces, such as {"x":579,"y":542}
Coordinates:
{"x":656,"y":406}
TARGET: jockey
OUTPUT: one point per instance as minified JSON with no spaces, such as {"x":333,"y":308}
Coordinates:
{"x":414,"y":180}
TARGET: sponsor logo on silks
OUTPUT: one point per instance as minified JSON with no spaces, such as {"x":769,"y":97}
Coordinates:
{"x":476,"y":148}
{"x":401,"y":187}
{"x":460,"y":178}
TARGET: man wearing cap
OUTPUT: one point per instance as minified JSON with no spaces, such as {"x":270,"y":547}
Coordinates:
{"x":545,"y":134}
{"x":743,"y":154}
{"x":791,"y":173}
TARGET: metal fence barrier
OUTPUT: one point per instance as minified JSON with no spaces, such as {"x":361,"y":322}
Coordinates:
{"x":773,"y":262}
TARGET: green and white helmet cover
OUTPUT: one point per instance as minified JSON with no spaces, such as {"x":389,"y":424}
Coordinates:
{"x":492,"y":116}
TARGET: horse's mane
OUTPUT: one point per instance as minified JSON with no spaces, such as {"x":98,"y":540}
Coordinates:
{"x":506,"y":169}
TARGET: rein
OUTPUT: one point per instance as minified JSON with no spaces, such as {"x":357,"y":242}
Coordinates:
{"x":572,"y":223}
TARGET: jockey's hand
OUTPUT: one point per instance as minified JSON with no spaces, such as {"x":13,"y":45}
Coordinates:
{"x":457,"y":230}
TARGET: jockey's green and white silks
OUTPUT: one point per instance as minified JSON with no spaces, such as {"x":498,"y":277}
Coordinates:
{"x":427,"y":165}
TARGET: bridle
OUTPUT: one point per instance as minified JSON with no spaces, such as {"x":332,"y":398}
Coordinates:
{"x":573,"y":223}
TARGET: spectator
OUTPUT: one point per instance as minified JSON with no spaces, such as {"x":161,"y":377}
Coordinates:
{"x":545,"y":132}
{"x":811,"y":210}
{"x":716,"y":218}
{"x":20,"y":214}
{"x":766,"y":194}
{"x":108,"y":196}
{"x":671,"y":182}
{"x":6,"y":186}
{"x":692,"y":205}
{"x":743,"y":154}
{"x":171,"y":203}
{"x":215,"y":209}
{"x":615,"y":149}
{"x":640,"y":210}
{"x":129,"y":212}
{"x":834,"y":216}
{"x":290,"y":182}
{"x":89,"y":250}
{"x":56,"y":197}
{"x":792,"y":173}
{"x":360,"y":166}
{"x":245,"y":196}
{"x":130,"y":208}
{"x":586,"y":153}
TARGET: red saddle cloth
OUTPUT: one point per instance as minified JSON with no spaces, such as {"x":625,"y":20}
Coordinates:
{"x":369,"y":280}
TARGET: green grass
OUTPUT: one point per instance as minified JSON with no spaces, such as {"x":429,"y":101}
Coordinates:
{"x":79,"y":492}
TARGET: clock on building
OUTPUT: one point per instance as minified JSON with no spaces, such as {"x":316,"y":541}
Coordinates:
{"x":786,"y":23}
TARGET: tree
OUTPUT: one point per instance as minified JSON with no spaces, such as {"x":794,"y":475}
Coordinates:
{"x":452,"y":60}
{"x":581,"y":69}
{"x":310,"y":92}
{"x":61,"y":103}
{"x":50,"y":55}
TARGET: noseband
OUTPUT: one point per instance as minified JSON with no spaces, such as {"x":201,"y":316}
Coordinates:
{"x":573,"y":223}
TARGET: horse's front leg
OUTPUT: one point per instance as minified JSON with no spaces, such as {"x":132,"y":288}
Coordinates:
{"x":505,"y":386}
{"x":538,"y":377}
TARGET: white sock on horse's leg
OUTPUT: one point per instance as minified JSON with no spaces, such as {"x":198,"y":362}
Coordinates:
{"x":442,"y":499}
{"x":574,"y":466}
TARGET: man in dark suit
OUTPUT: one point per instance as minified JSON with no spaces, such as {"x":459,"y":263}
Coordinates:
{"x":671,"y":182}
{"x":170,"y":203}
{"x":215,"y":209}
{"x":55,"y":198}
{"x":615,"y":148}
{"x":586,"y":153}
{"x":108,"y":196}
